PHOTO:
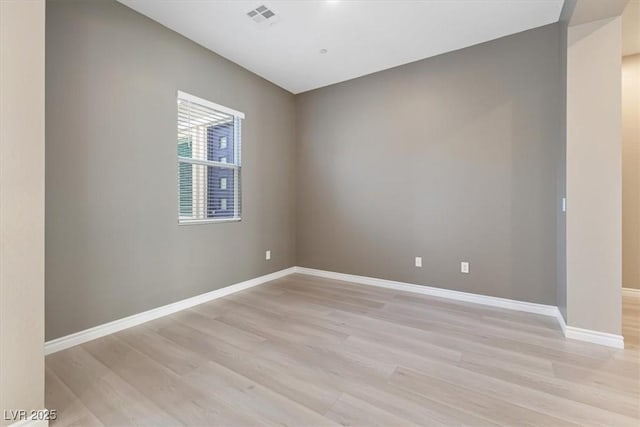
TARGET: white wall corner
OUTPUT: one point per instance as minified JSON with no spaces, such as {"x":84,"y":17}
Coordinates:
{"x":561,"y":321}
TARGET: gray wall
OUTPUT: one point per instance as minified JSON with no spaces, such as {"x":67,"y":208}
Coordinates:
{"x":113,"y":246}
{"x":561,"y":167}
{"x":631,"y":171}
{"x":451,"y":158}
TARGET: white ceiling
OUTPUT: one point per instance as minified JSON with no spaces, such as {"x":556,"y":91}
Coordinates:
{"x":361,"y":37}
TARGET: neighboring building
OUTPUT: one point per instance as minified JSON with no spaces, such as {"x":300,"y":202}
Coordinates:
{"x":220,"y":181}
{"x":186,"y":178}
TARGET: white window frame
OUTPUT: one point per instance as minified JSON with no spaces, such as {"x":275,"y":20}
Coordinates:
{"x":236,"y":166}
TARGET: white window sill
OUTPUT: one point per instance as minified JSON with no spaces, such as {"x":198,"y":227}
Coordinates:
{"x":207,"y":221}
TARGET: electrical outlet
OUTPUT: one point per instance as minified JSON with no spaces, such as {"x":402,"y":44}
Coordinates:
{"x":464,"y":267}
{"x":267,"y":255}
{"x":418,"y":261}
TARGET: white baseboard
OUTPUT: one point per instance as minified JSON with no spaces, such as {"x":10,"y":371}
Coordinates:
{"x":571,"y":332}
{"x":67,"y":341}
{"x":529,"y":307}
{"x":561,"y":321}
{"x":630,"y":292}
{"x":595,"y":337}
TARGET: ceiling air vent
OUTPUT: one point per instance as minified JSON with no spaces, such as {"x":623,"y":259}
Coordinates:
{"x":261,"y":13}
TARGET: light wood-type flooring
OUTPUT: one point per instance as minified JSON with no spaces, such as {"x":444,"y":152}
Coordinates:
{"x":304,"y":351}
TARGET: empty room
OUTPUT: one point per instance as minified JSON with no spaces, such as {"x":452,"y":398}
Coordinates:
{"x":320,"y":212}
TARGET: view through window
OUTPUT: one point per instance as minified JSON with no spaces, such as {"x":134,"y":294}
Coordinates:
{"x":208,"y":148}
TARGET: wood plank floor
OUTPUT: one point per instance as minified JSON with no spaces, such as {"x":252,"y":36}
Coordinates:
{"x":305,"y":351}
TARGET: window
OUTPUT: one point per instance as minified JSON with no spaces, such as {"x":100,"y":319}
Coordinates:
{"x":208,"y":148}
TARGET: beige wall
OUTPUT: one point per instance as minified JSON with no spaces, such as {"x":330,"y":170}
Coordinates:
{"x":631,"y":171}
{"x":21,"y":205}
{"x":594,"y":176}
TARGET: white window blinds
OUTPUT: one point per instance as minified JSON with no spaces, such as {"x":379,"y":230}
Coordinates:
{"x":209,"y":162}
